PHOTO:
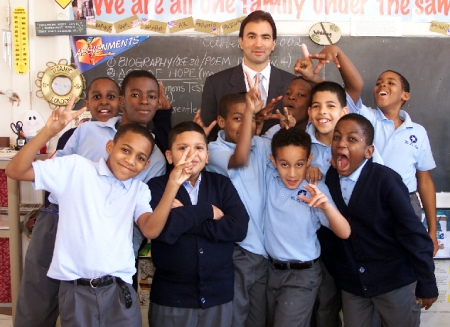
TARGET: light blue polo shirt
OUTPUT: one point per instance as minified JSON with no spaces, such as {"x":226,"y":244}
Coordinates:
{"x":322,"y":153}
{"x":89,"y":141}
{"x":193,"y":190}
{"x":290,"y":225}
{"x":348,"y":183}
{"x":248,"y":181}
{"x":405,"y":149}
{"x":96,"y":214}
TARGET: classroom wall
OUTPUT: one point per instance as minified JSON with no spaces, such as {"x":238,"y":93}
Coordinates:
{"x":54,"y":48}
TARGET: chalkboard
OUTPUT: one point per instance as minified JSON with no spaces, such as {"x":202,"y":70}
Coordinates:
{"x":184,"y":62}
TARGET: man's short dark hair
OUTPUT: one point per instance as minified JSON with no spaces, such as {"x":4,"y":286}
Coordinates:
{"x":137,"y":129}
{"x":292,"y":136}
{"x":332,"y":87}
{"x":258,"y":16}
{"x":227,"y":101}
{"x":186,"y":126}
{"x":365,"y":125}
{"x":137,"y":74}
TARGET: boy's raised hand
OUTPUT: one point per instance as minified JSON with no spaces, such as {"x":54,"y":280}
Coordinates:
{"x":304,"y":66}
{"x":163,"y":102}
{"x":317,"y":199}
{"x":286,"y":121}
{"x":266,"y":113}
{"x":183,"y":170}
{"x":329,"y":53}
{"x":253,"y":99}
{"x":62,"y":116}
{"x":198,"y":119}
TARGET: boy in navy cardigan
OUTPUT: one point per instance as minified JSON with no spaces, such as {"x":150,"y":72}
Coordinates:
{"x":193,"y":256}
{"x":387,"y":262}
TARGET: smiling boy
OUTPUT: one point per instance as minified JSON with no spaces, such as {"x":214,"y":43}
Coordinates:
{"x":294,"y":212}
{"x":193,"y":255}
{"x":95,"y":228}
{"x":37,"y":304}
{"x":242,"y":156}
{"x":403,"y":144}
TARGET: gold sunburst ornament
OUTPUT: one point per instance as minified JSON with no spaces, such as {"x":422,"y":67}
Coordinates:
{"x":58,"y":82}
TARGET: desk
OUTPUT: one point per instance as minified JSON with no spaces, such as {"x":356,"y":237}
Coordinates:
{"x":15,"y":241}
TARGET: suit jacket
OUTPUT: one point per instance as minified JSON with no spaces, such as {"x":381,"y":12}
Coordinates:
{"x":193,"y":255}
{"x":388,"y":247}
{"x":232,"y":80}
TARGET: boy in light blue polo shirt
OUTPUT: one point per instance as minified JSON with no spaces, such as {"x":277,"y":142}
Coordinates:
{"x":291,"y":220}
{"x":37,"y":304}
{"x":96,"y":227}
{"x":241,"y":156}
{"x":403,"y":144}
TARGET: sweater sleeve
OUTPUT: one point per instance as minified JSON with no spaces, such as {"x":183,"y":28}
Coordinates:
{"x":413,"y":236}
{"x":180,"y":219}
{"x":232,"y":227}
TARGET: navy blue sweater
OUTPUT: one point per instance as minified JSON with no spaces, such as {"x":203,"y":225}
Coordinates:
{"x":389,"y":247}
{"x":193,"y":255}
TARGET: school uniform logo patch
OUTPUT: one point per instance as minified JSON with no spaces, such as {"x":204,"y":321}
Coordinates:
{"x":412,"y":141}
{"x":296,"y":198}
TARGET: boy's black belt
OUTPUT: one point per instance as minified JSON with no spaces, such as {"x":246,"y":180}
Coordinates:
{"x":105,"y":281}
{"x":95,"y":282}
{"x":296,"y":265}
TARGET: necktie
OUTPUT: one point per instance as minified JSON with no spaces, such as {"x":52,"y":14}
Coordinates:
{"x":261,"y":87}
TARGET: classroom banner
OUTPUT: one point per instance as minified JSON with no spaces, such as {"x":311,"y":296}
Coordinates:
{"x":89,"y":51}
{"x":224,"y":10}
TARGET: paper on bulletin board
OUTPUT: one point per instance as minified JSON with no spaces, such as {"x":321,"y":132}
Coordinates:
{"x":99,"y":25}
{"x":376,"y":26}
{"x":206,"y":26}
{"x":154,"y":26}
{"x":440,"y":27}
{"x":126,"y":24}
{"x":232,"y":25}
{"x":181,"y":24}
{"x":439,"y":313}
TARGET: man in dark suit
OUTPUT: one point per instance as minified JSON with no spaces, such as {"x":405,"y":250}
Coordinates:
{"x":257,"y":36}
